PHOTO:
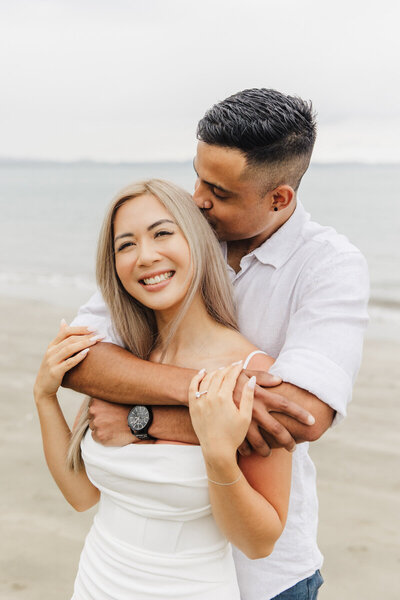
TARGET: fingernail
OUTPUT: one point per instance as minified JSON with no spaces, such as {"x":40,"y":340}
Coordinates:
{"x":292,"y":449}
{"x":310,"y":420}
{"x":91,"y":329}
{"x":63,"y":323}
{"x":201,"y":372}
{"x":96,"y":338}
{"x":239,"y":362}
{"x":221,"y":368}
{"x":251,"y":384}
{"x":85,"y":351}
{"x":275,"y":378}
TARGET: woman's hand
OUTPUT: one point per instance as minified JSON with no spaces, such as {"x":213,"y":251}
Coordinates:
{"x":69,"y":348}
{"x":220,"y":425}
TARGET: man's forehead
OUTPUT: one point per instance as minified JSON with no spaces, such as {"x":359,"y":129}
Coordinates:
{"x":224,"y":165}
{"x":211,"y":179}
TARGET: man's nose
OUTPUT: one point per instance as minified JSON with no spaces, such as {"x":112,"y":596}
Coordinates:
{"x":202,"y":196}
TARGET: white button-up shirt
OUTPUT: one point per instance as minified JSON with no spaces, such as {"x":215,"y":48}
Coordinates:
{"x":302,"y":298}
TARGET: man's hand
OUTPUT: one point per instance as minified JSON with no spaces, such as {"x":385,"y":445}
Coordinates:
{"x":109,"y":423}
{"x":264,"y":425}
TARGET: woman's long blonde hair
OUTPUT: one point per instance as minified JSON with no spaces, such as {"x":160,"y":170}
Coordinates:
{"x":133,"y":322}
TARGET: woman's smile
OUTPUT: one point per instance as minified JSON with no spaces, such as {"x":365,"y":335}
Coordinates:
{"x":157,"y":281}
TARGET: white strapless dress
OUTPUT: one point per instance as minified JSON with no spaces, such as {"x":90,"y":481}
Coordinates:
{"x":154,"y":536}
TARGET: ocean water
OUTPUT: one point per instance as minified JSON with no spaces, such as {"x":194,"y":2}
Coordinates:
{"x":50,"y":216}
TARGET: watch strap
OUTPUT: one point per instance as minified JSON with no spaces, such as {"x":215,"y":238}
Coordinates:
{"x":143,"y":436}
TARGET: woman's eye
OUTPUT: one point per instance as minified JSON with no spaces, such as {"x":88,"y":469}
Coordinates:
{"x":163,"y":232}
{"x":125,"y":245}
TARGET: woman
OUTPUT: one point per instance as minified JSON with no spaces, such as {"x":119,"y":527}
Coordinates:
{"x":155,"y":535}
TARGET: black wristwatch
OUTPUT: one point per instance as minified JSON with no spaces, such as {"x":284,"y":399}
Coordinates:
{"x":139,"y":420}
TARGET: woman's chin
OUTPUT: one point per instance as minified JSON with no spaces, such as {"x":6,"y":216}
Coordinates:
{"x":160,"y":304}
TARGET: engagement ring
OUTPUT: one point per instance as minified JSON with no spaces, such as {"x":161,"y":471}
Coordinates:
{"x":198,"y":394}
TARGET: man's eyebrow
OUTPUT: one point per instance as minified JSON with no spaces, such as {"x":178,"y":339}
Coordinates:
{"x":150,"y":227}
{"x":214,"y":185}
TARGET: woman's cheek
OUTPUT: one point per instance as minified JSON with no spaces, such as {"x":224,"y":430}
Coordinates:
{"x":124,"y":269}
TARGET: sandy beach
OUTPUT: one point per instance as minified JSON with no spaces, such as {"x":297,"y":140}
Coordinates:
{"x":358,"y":476}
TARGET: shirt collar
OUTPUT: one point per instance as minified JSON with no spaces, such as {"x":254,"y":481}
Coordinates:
{"x":280,"y":246}
{"x":276,"y":250}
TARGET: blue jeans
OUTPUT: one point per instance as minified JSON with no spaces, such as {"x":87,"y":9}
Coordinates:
{"x":304,"y":590}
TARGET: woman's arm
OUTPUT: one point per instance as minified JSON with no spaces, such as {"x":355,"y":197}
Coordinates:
{"x":74,"y":485}
{"x":251,"y":510}
{"x":68,"y":349}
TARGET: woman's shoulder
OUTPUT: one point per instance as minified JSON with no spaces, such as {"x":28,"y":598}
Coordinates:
{"x":242,"y":349}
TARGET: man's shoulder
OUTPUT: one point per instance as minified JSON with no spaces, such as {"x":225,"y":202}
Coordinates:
{"x":95,"y":314}
{"x":95,"y":305}
{"x":322,"y":255}
{"x":323,"y":244}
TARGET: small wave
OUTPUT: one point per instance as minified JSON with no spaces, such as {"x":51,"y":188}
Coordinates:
{"x":54,"y":280}
{"x":388,"y":303}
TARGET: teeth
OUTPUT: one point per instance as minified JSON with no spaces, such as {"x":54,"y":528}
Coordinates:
{"x":158,"y":278}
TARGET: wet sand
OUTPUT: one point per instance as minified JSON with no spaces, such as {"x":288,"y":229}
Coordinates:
{"x":358,"y":476}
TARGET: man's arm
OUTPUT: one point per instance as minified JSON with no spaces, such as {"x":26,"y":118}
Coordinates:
{"x":114,"y":374}
{"x":129,"y":380}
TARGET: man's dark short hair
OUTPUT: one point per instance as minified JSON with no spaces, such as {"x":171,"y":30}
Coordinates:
{"x":269,"y":127}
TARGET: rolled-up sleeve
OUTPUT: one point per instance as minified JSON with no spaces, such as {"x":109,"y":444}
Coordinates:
{"x":323,"y":346}
{"x":95,"y":314}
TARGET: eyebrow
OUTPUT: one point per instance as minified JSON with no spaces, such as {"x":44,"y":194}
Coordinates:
{"x":214,"y":185}
{"x":150,"y":227}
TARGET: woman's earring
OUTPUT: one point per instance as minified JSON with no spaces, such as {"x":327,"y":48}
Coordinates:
{"x":275,"y":208}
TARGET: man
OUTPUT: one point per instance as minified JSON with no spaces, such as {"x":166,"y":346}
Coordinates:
{"x":301,"y":292}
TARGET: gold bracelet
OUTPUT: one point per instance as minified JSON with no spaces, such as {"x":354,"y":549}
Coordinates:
{"x":230,"y":483}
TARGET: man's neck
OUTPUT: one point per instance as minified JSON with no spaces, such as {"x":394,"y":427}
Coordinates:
{"x":236,"y":249}
{"x":235,"y":252}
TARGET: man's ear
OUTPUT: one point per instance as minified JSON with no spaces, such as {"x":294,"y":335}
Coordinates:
{"x":282,"y":197}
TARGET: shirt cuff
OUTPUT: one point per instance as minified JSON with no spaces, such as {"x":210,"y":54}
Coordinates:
{"x":318,"y":375}
{"x":102,"y":326}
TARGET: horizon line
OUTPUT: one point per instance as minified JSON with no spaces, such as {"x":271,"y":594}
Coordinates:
{"x":116,"y":163}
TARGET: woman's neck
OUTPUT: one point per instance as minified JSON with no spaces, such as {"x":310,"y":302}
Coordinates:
{"x":196,"y":333}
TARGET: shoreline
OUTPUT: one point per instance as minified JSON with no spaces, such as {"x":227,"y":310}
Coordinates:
{"x":357,"y":472}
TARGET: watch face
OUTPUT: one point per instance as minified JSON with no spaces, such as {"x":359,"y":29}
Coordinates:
{"x":138,"y":418}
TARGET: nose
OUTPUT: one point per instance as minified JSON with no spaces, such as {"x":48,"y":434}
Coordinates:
{"x":147,"y":253}
{"x":202,"y":196}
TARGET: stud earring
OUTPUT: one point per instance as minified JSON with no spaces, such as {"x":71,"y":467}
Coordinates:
{"x":275,"y":208}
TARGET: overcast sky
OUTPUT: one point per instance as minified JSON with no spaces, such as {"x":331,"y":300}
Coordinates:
{"x":129,"y":79}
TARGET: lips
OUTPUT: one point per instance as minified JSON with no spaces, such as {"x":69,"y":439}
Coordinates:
{"x":157,"y":278}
